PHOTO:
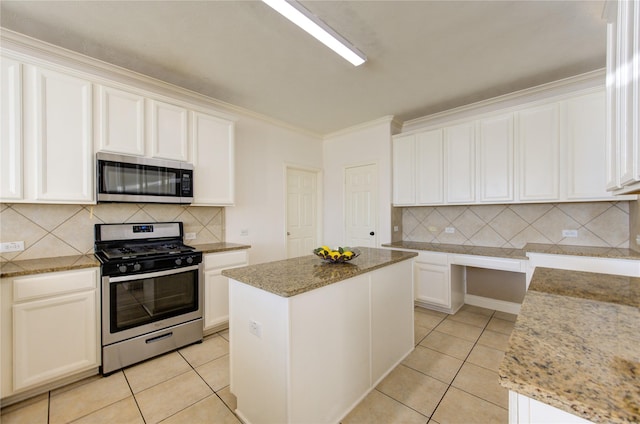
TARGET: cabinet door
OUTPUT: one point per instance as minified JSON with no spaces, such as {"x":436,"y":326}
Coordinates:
{"x":216,"y":301}
{"x":460,"y":164}
{"x":53,"y":338}
{"x":539,"y":153}
{"x":432,"y":284}
{"x":429,"y":168}
{"x":404,"y":175}
{"x":585,"y":136}
{"x":213,"y":160}
{"x":495,"y":158}
{"x":58,"y":118}
{"x":11,"y":130}
{"x":120,"y":121}
{"x":168,"y":132}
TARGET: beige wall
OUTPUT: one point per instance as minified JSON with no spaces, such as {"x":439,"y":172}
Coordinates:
{"x":603,"y":224}
{"x":64,"y":230}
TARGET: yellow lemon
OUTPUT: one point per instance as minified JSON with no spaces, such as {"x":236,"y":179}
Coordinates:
{"x":348,"y":254}
{"x":335,"y":255}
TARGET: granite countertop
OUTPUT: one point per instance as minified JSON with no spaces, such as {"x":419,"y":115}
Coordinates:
{"x":596,"y":252}
{"x":218,"y":247}
{"x":294,"y":276}
{"x":576,"y":345}
{"x":10,"y":269}
{"x":499,"y":252}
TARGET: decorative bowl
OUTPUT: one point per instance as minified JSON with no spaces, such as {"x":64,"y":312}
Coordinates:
{"x":337,"y":255}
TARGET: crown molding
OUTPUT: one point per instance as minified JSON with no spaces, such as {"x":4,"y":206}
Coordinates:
{"x":589,"y":80}
{"x":38,"y":51}
{"x":395,"y":125}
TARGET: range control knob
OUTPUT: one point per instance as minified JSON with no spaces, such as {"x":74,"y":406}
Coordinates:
{"x":178,"y":261}
{"x":137,"y":267}
{"x":122,"y":268}
{"x":190,"y":260}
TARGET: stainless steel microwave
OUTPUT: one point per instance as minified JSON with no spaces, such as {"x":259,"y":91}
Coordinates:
{"x":122,"y":178}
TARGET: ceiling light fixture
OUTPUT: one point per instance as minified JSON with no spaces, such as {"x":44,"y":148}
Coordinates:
{"x":300,"y":16}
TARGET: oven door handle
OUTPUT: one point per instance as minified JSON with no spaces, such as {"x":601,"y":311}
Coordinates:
{"x":153,"y":274}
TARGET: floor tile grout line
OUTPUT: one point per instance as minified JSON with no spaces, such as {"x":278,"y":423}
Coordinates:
{"x":463,"y":362}
{"x":135,"y":399}
{"x":401,"y":403}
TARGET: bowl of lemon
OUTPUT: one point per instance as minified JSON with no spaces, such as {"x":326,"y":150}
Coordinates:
{"x":337,"y":255}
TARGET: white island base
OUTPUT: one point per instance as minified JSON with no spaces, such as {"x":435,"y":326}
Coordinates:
{"x":312,"y":357}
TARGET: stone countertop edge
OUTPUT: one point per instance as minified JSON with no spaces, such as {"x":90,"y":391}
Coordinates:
{"x":575,"y":345}
{"x":11,"y":269}
{"x":461,"y":249}
{"x":295,"y":276}
{"x":514,"y":253}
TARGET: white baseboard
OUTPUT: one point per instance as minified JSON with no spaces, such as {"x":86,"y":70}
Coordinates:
{"x":498,"y":305}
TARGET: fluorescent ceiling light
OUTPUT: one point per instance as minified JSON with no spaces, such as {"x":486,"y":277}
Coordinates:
{"x":300,"y":16}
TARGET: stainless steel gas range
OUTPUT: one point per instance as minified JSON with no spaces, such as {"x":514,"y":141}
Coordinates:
{"x":151,"y":291}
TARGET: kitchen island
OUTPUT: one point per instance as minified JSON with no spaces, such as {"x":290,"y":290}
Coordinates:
{"x":574,"y":354}
{"x":309,"y":339}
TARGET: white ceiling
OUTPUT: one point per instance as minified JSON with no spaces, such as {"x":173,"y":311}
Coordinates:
{"x":423,"y":56}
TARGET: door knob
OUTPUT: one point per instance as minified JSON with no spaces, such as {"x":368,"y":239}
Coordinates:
{"x":372,"y":233}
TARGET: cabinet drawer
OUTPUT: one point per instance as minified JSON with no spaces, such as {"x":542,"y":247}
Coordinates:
{"x":225,"y":260}
{"x":503,"y":264}
{"x":433,"y":258}
{"x":54,"y":283}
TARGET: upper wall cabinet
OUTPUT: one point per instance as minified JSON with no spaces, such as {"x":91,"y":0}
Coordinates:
{"x":213,"y":159}
{"x":549,"y":151}
{"x":120,"y":121}
{"x":168,"y":131}
{"x":539,"y":158}
{"x":47,"y":141}
{"x":623,"y":96}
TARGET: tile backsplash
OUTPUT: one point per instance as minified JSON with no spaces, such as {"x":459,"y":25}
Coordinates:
{"x":64,"y":230}
{"x":603,"y":224}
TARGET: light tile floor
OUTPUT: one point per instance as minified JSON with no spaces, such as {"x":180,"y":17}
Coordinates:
{"x":451,"y":377}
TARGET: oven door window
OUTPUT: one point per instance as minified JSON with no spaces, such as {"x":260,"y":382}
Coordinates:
{"x":142,"y":301}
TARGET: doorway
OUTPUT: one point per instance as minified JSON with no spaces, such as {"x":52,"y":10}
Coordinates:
{"x":302,"y":207}
{"x":361,"y":205}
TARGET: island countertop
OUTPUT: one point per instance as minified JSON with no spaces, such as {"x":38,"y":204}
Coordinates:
{"x":290,"y":277}
{"x":575,"y":345}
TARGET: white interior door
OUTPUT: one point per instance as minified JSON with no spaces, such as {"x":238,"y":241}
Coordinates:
{"x":302,"y":217}
{"x":361,"y":199}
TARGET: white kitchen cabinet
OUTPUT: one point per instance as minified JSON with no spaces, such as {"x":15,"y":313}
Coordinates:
{"x":216,"y":287}
{"x":525,"y":410}
{"x":460,"y":178}
{"x":539,"y":153}
{"x":437,"y":285}
{"x":584,"y":134}
{"x":404,"y":170}
{"x":623,"y":96}
{"x":429,"y":165}
{"x":57,"y":137}
{"x":120,"y":123}
{"x":495,"y":159}
{"x":213,"y":146}
{"x":168,"y":131}
{"x":418,"y":169}
{"x":50,"y":328}
{"x":11,"y":156}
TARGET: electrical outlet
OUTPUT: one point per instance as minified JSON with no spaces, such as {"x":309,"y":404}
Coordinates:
{"x":569,"y":233}
{"x":12,"y":246}
{"x":189,"y":236}
{"x":449,"y":230}
{"x":255,"y":328}
{"x":244,"y":232}
{"x":396,"y":228}
{"x":432,"y":228}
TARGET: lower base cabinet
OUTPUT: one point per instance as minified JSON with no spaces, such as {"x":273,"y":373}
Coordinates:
{"x":438,"y":285}
{"x":216,"y":287}
{"x":524,"y":410}
{"x":50,"y":328}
